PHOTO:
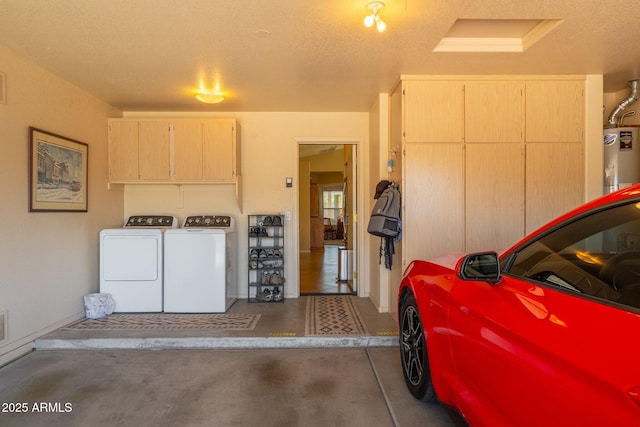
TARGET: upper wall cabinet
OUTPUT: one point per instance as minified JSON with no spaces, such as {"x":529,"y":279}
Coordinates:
{"x":494,"y":112}
{"x":220,"y":150}
{"x":123,"y":150}
{"x":433,"y":111}
{"x":555,"y":111}
{"x":176,"y":151}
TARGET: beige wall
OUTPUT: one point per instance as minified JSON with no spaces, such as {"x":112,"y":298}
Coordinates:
{"x":269,"y":155}
{"x":377,"y":276}
{"x":48,"y":261}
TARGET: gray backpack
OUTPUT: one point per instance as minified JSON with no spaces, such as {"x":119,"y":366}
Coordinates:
{"x":385,"y":217}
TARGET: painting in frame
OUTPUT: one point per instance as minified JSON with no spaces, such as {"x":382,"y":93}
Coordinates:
{"x":58,"y":173}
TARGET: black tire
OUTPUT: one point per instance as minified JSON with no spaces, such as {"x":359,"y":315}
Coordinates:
{"x":413,"y":352}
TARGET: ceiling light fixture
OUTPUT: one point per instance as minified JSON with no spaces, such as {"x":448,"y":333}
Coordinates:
{"x":209,"y":97}
{"x":374,"y":18}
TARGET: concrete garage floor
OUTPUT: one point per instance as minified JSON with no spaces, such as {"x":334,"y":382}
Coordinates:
{"x":292,"y":387}
{"x":217,"y":378}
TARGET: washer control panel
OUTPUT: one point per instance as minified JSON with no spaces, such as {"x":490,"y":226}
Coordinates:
{"x":205,"y":221}
{"x":157,"y":221}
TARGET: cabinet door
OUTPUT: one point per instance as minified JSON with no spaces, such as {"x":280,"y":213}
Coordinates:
{"x":219,"y":150}
{"x":494,"y":112}
{"x":494,"y":196}
{"x":187,"y":150}
{"x":153,"y":150}
{"x":554,"y":181}
{"x":433,"y":199}
{"x":434,"y":111}
{"x":555,"y":111}
{"x":123,"y":150}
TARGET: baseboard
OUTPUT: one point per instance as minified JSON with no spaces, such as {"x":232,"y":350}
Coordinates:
{"x":20,"y":347}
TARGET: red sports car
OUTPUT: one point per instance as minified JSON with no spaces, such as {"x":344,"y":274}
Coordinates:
{"x":546,"y":334}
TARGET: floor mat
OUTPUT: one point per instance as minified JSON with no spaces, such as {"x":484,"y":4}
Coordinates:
{"x":333,"y":315}
{"x":146,"y":321}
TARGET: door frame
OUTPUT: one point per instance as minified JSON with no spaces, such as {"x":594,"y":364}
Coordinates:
{"x":361,"y":286}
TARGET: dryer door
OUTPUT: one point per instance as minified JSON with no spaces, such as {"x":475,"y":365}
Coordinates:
{"x":131,"y":258}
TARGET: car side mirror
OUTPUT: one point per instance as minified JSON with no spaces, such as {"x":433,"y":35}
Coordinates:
{"x":480,"y":266}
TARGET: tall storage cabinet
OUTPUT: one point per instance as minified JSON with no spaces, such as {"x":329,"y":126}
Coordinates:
{"x":266,"y":258}
{"x":486,"y":159}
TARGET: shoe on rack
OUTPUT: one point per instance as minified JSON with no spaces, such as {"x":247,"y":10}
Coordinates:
{"x":262,"y":232}
{"x":268,"y":221}
{"x":268,"y":294}
{"x":254,"y":254}
{"x":277,"y":294}
{"x":277,"y":278}
{"x":277,"y":220}
{"x":265,"y":279}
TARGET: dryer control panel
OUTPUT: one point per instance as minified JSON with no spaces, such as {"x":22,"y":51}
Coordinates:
{"x":156,"y":221}
{"x":206,"y":221}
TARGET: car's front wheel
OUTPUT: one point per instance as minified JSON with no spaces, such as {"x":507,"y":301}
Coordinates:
{"x":413,"y":352}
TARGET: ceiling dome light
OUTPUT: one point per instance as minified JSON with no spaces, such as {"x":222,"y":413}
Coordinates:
{"x":210,"y":97}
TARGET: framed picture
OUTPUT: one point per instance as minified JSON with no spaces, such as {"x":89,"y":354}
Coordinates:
{"x":58,"y":173}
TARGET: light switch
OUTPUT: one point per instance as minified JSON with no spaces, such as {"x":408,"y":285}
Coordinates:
{"x":289,"y":182}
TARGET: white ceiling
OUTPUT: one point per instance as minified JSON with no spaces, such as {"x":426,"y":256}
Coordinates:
{"x":299,"y":55}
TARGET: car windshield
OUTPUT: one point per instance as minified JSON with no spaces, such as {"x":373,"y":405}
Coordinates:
{"x":596,"y":255}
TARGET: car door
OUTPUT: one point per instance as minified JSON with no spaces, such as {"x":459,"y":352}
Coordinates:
{"x":530,"y":350}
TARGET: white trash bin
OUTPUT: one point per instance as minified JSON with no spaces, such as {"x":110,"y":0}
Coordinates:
{"x":98,"y":305}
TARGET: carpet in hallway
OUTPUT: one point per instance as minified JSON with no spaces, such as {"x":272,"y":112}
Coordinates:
{"x":147,"y":321}
{"x":333,"y":315}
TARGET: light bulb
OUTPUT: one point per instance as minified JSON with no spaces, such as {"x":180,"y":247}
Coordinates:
{"x":368,"y":20}
{"x":381,"y":26}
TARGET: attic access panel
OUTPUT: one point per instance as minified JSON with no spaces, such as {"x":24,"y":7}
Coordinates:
{"x":495,"y":35}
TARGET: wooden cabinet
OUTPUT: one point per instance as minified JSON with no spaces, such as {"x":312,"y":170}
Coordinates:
{"x":153,"y":150}
{"x":433,"y":111}
{"x":555,"y":111}
{"x":494,"y":112}
{"x":433,"y":198}
{"x":173,"y":150}
{"x":221,"y":154}
{"x":554,"y":181}
{"x":187,"y":150}
{"x":494,"y":196}
{"x":123,"y":151}
{"x":487,"y":160}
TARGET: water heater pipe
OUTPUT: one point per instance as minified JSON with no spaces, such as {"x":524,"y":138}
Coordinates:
{"x":634,"y":93}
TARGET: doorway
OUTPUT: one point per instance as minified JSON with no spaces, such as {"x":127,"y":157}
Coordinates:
{"x":326,"y":210}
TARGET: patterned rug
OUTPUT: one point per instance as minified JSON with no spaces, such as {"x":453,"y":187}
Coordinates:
{"x":333,"y":315}
{"x":146,"y":321}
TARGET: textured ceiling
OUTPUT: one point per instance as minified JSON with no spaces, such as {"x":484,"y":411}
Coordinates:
{"x":298,"y":55}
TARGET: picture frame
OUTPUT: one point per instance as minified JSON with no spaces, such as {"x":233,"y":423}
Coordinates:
{"x":58,"y":173}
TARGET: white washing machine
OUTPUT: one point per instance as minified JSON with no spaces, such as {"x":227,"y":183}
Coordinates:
{"x":200,"y":265}
{"x":131,"y":263}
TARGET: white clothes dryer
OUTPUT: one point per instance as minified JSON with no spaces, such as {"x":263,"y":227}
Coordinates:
{"x":200,"y":265}
{"x":131,"y":263}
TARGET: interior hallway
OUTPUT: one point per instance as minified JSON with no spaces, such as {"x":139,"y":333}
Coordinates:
{"x":319,"y":272}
